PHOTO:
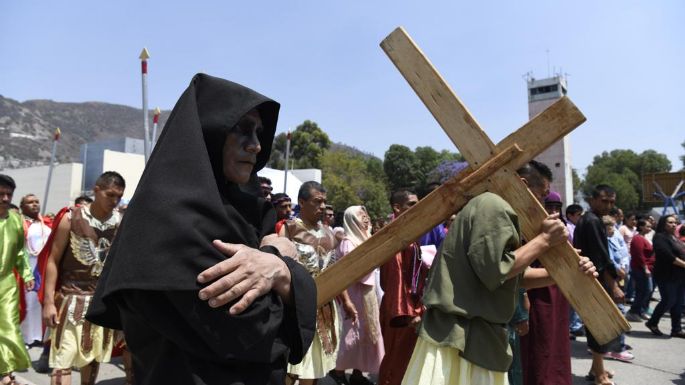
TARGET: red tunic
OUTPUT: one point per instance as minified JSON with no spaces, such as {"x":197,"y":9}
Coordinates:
{"x":402,"y":280}
{"x":545,"y":350}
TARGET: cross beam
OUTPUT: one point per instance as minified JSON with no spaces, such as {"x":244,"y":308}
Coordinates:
{"x":587,"y":296}
{"x":560,"y":119}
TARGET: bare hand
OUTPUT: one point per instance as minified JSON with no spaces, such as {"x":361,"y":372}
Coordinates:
{"x":587,"y":267}
{"x":522,"y":328}
{"x":50,"y":315}
{"x":415,"y":321}
{"x":350,"y":311}
{"x":247,"y":275}
{"x":617,"y":294}
{"x":284,"y":245}
{"x":30,"y":285}
{"x":554,"y":230}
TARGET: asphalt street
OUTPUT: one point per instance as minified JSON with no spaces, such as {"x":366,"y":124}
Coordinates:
{"x":658,"y":361}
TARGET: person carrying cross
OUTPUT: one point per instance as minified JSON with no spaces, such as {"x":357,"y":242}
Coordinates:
{"x":472,"y":287}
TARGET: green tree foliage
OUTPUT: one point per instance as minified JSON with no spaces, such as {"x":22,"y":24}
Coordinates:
{"x":682,"y":157}
{"x":405,"y":168}
{"x":428,"y":160}
{"x":352,"y":179}
{"x":307,"y":145}
{"x":576,"y":181}
{"x":623,"y":170}
{"x":401,"y":167}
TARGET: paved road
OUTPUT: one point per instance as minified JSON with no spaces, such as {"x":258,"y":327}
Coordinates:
{"x":658,"y":361}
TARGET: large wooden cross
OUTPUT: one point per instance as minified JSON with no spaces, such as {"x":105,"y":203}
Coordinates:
{"x":491,"y":168}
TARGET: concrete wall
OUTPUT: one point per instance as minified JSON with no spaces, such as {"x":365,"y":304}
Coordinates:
{"x":92,"y":155}
{"x":277,"y":178}
{"x":130,"y":166}
{"x":65,"y":184}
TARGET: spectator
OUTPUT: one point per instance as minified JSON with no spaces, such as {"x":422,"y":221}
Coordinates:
{"x":669,"y":274}
{"x":641,"y":266}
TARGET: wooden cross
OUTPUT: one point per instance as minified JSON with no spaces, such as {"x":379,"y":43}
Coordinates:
{"x":491,"y":168}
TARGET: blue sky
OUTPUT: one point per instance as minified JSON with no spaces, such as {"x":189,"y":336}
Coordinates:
{"x":321,"y":60}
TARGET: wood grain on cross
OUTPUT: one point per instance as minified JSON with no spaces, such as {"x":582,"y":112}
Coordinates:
{"x":485,"y":173}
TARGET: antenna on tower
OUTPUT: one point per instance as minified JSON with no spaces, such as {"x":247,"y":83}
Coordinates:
{"x":548,"y":72}
{"x":528,"y":76}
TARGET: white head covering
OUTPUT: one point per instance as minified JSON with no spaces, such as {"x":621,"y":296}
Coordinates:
{"x":354,"y":226}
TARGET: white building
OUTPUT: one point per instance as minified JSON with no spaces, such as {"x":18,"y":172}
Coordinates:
{"x":123,"y":155}
{"x":542,"y":93}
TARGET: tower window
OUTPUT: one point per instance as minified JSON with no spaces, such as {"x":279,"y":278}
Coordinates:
{"x":544,"y":89}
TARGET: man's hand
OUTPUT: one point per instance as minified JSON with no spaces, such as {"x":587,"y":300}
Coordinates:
{"x":247,"y":275}
{"x":284,"y":245}
{"x":29,"y":285}
{"x":553,"y":230}
{"x":587,"y":267}
{"x":618,"y":294}
{"x":50,"y":315}
{"x":522,"y":328}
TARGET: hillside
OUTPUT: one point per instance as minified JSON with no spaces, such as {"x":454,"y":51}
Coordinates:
{"x":26,"y":129}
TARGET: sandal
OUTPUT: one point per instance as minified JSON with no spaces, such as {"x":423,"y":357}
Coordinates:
{"x":591,"y":376}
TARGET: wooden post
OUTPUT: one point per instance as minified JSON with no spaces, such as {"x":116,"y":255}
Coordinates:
{"x":547,"y":127}
{"x":593,"y":304}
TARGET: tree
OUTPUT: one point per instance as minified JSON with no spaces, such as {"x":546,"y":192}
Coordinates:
{"x":350,"y":179}
{"x":401,"y":167}
{"x":623,"y":170}
{"x":307,"y":145}
{"x":682,"y":157}
{"x":427,"y":161}
{"x":576,"y":182}
{"x":446,"y":170}
{"x":405,"y":168}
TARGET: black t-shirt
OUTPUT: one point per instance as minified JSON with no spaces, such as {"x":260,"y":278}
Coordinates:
{"x":590,"y":236}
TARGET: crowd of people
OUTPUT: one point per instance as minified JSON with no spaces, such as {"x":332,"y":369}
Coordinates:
{"x":209,"y":277}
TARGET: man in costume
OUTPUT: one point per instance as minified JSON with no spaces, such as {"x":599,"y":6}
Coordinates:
{"x":209,"y":300}
{"x":472,"y":290}
{"x":402,"y":280}
{"x":545,"y":351}
{"x":590,"y":237}
{"x":78,"y":251}
{"x":316,"y":251}
{"x":283,"y":206}
{"x":13,"y":354}
{"x":36,"y":232}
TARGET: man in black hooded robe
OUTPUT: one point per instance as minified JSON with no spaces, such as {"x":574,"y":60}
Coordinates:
{"x":181,"y":331}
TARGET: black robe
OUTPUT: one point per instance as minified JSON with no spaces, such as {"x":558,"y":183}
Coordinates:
{"x":183,"y":202}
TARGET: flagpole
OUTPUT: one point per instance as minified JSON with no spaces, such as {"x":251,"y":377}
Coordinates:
{"x":144,"y":55}
{"x":58,"y":133}
{"x":155,"y":121}
{"x":287,"y":156}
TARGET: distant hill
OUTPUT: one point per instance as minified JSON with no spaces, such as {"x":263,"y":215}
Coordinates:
{"x":336,"y":146}
{"x":26,"y":129}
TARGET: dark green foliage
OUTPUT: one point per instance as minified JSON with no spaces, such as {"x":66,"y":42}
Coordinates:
{"x":307,"y":145}
{"x":352,"y":179}
{"x":623,"y":170}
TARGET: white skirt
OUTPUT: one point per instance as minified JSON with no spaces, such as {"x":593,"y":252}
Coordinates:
{"x":315,"y":363}
{"x":441,"y":365}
